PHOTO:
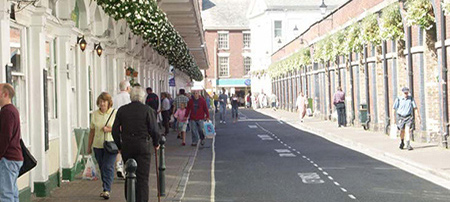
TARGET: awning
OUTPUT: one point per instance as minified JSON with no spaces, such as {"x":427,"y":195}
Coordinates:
{"x":234,"y":82}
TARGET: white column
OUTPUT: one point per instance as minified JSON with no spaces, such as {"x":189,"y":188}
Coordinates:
{"x":63,"y":55}
{"x":83,"y":92}
{"x":37,"y":59}
{"x":4,"y":38}
{"x":109,"y":70}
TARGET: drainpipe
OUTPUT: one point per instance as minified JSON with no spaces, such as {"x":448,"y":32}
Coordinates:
{"x":330,"y":105}
{"x":351,"y":89}
{"x":445,"y":124}
{"x":339,"y":70}
{"x":366,"y":70}
{"x":386,"y":88}
{"x":410,"y":60}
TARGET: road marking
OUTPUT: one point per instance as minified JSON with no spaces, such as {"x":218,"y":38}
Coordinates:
{"x":283,"y":150}
{"x":344,"y":190}
{"x":252,"y":126}
{"x":213,"y":176}
{"x":265,"y":137}
{"x":325,"y":173}
{"x":293,"y":149}
{"x":298,"y":152}
{"x":331,"y":178}
{"x":304,"y":157}
{"x":351,"y":196}
{"x":337,"y":184}
{"x":320,"y":168}
{"x":280,"y":121}
{"x":310,"y":178}
{"x":287,"y":155}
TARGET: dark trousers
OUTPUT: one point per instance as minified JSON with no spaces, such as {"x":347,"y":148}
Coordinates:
{"x":166,"y":118}
{"x":340,"y":107}
{"x":216,"y":103}
{"x":142,"y":173}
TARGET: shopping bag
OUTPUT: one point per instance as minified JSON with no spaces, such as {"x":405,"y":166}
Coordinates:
{"x":172,"y":119}
{"x":90,"y":172}
{"x":393,"y":131}
{"x":309,"y":112}
{"x":209,"y":130}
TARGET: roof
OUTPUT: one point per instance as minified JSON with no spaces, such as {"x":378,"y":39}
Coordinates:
{"x":225,"y":14}
{"x":301,"y":3}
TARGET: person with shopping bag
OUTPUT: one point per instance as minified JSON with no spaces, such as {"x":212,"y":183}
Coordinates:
{"x":197,"y":111}
{"x":134,"y":126}
{"x":101,"y":140}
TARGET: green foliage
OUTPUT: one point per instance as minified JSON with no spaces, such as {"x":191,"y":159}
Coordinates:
{"x":354,"y":42}
{"x":420,"y":12}
{"x":147,"y":20}
{"x":446,"y":7}
{"x":338,"y":42}
{"x":371,"y":30}
{"x":391,"y":25}
{"x":294,"y":62}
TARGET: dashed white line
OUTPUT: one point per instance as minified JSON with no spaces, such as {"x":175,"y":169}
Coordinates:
{"x":331,"y":178}
{"x":337,"y":184}
{"x":316,"y":165}
{"x":320,"y":168}
{"x":325,"y":173}
{"x":351,"y":196}
{"x":344,"y":190}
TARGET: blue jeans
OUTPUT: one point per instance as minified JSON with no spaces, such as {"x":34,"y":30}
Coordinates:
{"x":9,"y":171}
{"x":234,"y":112}
{"x":106,"y":162}
{"x":196,"y":130}
{"x":223,"y":112}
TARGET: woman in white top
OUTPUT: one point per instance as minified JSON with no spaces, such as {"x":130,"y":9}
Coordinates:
{"x":301,"y":105}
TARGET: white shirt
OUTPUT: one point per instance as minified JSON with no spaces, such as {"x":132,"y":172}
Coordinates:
{"x":121,"y":99}
{"x":165,"y":105}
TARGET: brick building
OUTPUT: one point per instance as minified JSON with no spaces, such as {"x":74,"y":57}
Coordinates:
{"x":374,"y":76}
{"x":228,"y":40}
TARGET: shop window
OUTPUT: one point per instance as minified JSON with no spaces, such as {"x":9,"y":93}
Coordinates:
{"x":51,"y":79}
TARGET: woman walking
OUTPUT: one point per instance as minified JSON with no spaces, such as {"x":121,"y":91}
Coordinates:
{"x":133,"y":128}
{"x":301,"y":105}
{"x":234,"y":107}
{"x":101,"y":127}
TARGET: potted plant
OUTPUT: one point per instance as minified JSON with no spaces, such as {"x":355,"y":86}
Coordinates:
{"x":135,"y":73}
{"x":129,"y":71}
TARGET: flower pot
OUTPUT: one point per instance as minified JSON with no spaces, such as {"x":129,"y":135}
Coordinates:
{"x":135,"y":74}
{"x":128,"y":73}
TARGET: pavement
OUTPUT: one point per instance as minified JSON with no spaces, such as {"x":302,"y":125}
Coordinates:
{"x":427,"y":160}
{"x":179,"y":161}
{"x":266,"y":159}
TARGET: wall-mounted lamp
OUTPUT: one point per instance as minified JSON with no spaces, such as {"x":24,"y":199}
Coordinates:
{"x":98,"y":48}
{"x":82,"y":42}
{"x":323,"y":8}
{"x":279,"y":41}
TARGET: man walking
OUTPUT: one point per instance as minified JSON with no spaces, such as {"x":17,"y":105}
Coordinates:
{"x":11,"y":158}
{"x":165,"y":112}
{"x":223,"y":98}
{"x":152,"y":99}
{"x":119,"y":100}
{"x":339,"y":103}
{"x":197,"y":112}
{"x":403,"y":107}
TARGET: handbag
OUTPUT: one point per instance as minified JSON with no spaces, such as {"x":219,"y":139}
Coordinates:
{"x":29,"y":162}
{"x":110,"y":146}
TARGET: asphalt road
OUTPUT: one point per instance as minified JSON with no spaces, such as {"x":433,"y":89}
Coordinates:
{"x":262,"y":159}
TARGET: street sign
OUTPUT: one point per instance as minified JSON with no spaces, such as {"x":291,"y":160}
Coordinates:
{"x":248,"y":82}
{"x":172,"y":82}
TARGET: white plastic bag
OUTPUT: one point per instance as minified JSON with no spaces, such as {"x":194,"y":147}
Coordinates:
{"x":309,"y":112}
{"x":393,"y":131}
{"x":90,"y":172}
{"x":210,"y":132}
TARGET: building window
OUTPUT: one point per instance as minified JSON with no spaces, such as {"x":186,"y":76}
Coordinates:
{"x":51,"y":79}
{"x":246,"y":40}
{"x":247,"y":64}
{"x":16,"y":75}
{"x":223,"y":40}
{"x":278,"y":28}
{"x":223,"y":66}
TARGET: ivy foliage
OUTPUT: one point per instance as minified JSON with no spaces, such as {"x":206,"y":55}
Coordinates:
{"x":371,"y":30}
{"x":294,"y":62}
{"x":420,"y":12}
{"x":446,"y":7}
{"x":391,"y":25}
{"x":145,"y":19}
{"x":354,"y":43}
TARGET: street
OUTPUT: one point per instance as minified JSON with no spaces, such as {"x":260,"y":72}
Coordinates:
{"x":263,"y":159}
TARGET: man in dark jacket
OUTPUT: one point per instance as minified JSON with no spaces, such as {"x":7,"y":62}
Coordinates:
{"x":133,"y":127}
{"x":11,"y":158}
{"x":152,"y":99}
{"x":197,"y":111}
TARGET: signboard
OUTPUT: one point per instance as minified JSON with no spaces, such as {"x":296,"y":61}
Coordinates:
{"x":172,"y":82}
{"x":248,"y":82}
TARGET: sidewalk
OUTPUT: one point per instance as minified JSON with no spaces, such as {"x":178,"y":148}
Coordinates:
{"x":428,"y":161}
{"x":179,"y":161}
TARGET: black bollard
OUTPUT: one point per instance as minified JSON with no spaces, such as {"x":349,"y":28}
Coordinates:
{"x":162,"y":167}
{"x":130,"y":168}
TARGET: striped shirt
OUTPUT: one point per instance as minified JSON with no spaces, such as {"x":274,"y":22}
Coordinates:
{"x":180,"y":99}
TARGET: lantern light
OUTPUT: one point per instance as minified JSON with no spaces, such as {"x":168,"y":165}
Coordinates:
{"x":98,"y":48}
{"x":82,"y":43}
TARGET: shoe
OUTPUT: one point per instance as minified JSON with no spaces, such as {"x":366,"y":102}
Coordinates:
{"x":224,"y":122}
{"x":183,"y":144}
{"x":401,"y":145}
{"x":410,"y":148}
{"x":119,"y":170}
{"x":202,"y":142}
{"x":301,"y":120}
{"x":105,"y":195}
{"x":193,"y":144}
{"x":178,"y":136}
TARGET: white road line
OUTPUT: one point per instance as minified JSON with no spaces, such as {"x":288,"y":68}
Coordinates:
{"x":316,"y":165}
{"x":281,"y":122}
{"x":294,"y":150}
{"x":320,"y":168}
{"x":344,"y":190}
{"x":252,"y":126}
{"x":312,"y":161}
{"x":351,"y":196}
{"x":331,"y":178}
{"x":290,"y":148}
{"x":337,"y":184}
{"x":213,"y":177}
{"x":304,"y":157}
{"x":325,"y":173}
{"x":287,"y":155}
{"x":298,"y":152}
{"x":283,"y":150}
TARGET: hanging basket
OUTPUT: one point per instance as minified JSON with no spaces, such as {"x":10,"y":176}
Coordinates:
{"x":135,"y":74}
{"x":128,"y":72}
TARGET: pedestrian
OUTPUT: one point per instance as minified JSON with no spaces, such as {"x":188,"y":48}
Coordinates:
{"x":197,"y":112}
{"x":152,"y":99}
{"x":101,"y":127}
{"x":11,"y":158}
{"x":234,"y":108}
{"x":216,"y":101}
{"x":301,"y":105}
{"x":339,"y":103}
{"x":180,"y":99}
{"x":208,"y":100}
{"x":182,"y":122}
{"x":248,"y":100}
{"x":273,"y":101}
{"x":165,"y":112}
{"x":122,"y":98}
{"x":134,"y":126}
{"x":404,"y":108}
{"x":223,"y":98}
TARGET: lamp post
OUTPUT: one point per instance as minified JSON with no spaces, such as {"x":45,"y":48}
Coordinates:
{"x":323,"y":8}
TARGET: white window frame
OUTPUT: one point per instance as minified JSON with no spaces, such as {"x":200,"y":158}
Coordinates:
{"x":52,"y":90}
{"x":22,"y":105}
{"x":249,"y":66}
{"x":220,"y":66}
{"x":226,"y":44}
{"x":244,"y":39}
{"x":275,"y":29}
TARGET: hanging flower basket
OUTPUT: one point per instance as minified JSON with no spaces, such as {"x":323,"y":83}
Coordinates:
{"x":128,"y":73}
{"x":135,"y":74}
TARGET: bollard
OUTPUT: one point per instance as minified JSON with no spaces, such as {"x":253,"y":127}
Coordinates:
{"x":130,"y":168}
{"x":162,"y":167}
